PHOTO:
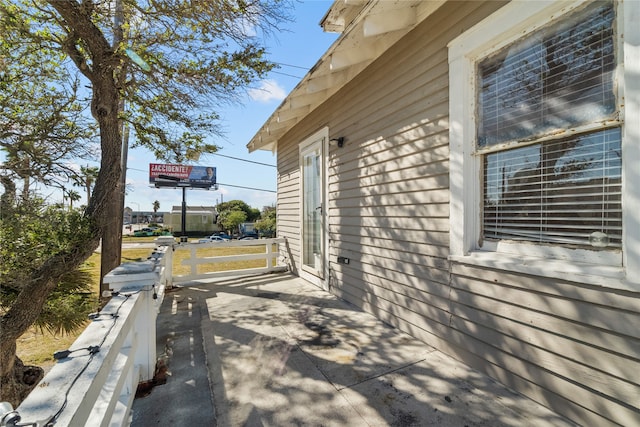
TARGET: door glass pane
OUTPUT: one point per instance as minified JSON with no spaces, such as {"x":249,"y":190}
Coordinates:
{"x":312,"y":210}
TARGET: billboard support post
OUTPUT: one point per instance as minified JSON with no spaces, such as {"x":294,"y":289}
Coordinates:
{"x":183,"y":220}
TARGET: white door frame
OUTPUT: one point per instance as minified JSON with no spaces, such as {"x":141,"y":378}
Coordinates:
{"x":316,"y":273}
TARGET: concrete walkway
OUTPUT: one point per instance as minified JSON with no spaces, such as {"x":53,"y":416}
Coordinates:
{"x":274,"y":350}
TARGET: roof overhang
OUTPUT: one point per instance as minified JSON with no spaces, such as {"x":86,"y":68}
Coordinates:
{"x":368,"y":29}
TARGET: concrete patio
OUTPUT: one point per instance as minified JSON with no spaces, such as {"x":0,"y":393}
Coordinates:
{"x":273,"y":350}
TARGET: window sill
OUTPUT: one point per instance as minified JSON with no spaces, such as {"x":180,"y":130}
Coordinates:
{"x":612,"y":277}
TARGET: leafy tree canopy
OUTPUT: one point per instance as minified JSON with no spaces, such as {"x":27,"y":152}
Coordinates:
{"x":175,"y":64}
{"x":43,"y":120}
{"x":231,"y":219}
{"x":267,"y":222}
{"x":30,"y":234}
{"x":86,"y":178}
{"x":252,"y":214}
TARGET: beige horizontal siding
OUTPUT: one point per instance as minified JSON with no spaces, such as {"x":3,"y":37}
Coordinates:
{"x":574,"y":339}
{"x":419,"y":224}
{"x":415,"y":287}
{"x":606,"y":371}
{"x":288,"y":204}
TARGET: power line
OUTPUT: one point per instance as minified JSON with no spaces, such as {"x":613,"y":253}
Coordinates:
{"x":292,"y":66}
{"x":247,"y":188}
{"x":244,"y":160}
{"x":285,"y":74}
{"x":222,"y":155}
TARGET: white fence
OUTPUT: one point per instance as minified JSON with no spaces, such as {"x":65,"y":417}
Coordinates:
{"x":94,"y":384}
{"x":272,"y":256}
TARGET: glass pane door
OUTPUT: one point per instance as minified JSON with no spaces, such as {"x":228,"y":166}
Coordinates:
{"x":312,"y":208}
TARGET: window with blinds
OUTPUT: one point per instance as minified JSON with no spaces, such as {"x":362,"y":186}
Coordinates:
{"x":558,"y":190}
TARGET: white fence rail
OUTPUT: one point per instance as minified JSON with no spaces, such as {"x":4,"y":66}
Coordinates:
{"x":94,"y":382}
{"x":272,"y":256}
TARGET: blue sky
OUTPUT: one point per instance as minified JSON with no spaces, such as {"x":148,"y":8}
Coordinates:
{"x":301,"y":45}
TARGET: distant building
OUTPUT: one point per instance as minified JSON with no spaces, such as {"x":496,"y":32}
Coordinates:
{"x":200,"y":220}
{"x":142,"y":217}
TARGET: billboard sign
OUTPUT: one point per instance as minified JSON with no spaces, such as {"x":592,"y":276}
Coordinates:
{"x":172,"y":175}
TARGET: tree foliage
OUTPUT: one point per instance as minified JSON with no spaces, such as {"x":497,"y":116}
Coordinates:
{"x":43,"y":125}
{"x":231,"y":219}
{"x":235,"y":212}
{"x":31,"y":235}
{"x":267,"y":223}
{"x":69,"y":68}
{"x":86,"y":179}
{"x":252,"y":214}
{"x":174,"y":64}
{"x":71,"y":196}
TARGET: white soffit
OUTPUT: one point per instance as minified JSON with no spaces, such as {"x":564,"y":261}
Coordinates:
{"x":368,"y":29}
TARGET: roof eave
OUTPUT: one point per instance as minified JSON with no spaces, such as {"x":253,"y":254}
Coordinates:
{"x":368,"y":30}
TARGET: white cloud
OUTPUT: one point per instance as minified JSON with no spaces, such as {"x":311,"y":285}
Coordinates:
{"x":268,"y":91}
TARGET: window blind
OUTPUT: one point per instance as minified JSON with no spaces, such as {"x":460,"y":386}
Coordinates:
{"x":557,"y":191}
{"x":565,"y":192}
{"x":560,"y":77}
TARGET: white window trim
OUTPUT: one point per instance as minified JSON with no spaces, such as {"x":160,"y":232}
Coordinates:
{"x":505,"y":26}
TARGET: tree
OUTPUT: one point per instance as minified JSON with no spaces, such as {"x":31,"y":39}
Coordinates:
{"x":267,"y":222}
{"x":156,"y":206}
{"x":71,"y":196}
{"x":231,"y":219}
{"x":252,"y":214}
{"x":42,"y":129}
{"x":87,"y":178}
{"x":172,"y":64}
{"x":42,"y":126}
{"x":31,"y":234}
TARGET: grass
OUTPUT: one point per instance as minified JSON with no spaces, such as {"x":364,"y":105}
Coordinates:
{"x":179,"y":255}
{"x":36,"y":347}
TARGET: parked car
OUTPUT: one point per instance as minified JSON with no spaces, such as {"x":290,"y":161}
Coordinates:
{"x":224,"y":236}
{"x":143,"y":232}
{"x":248,"y":237}
{"x":213,"y":238}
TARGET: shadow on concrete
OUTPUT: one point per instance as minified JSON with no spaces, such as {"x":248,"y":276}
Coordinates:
{"x":280,"y":352}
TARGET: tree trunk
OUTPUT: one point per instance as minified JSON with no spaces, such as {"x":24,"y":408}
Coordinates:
{"x":17,"y":385}
{"x":108,"y":184}
{"x":8,"y":198}
{"x":14,"y":378}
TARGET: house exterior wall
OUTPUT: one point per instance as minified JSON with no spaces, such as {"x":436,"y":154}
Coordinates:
{"x":572,"y":346}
